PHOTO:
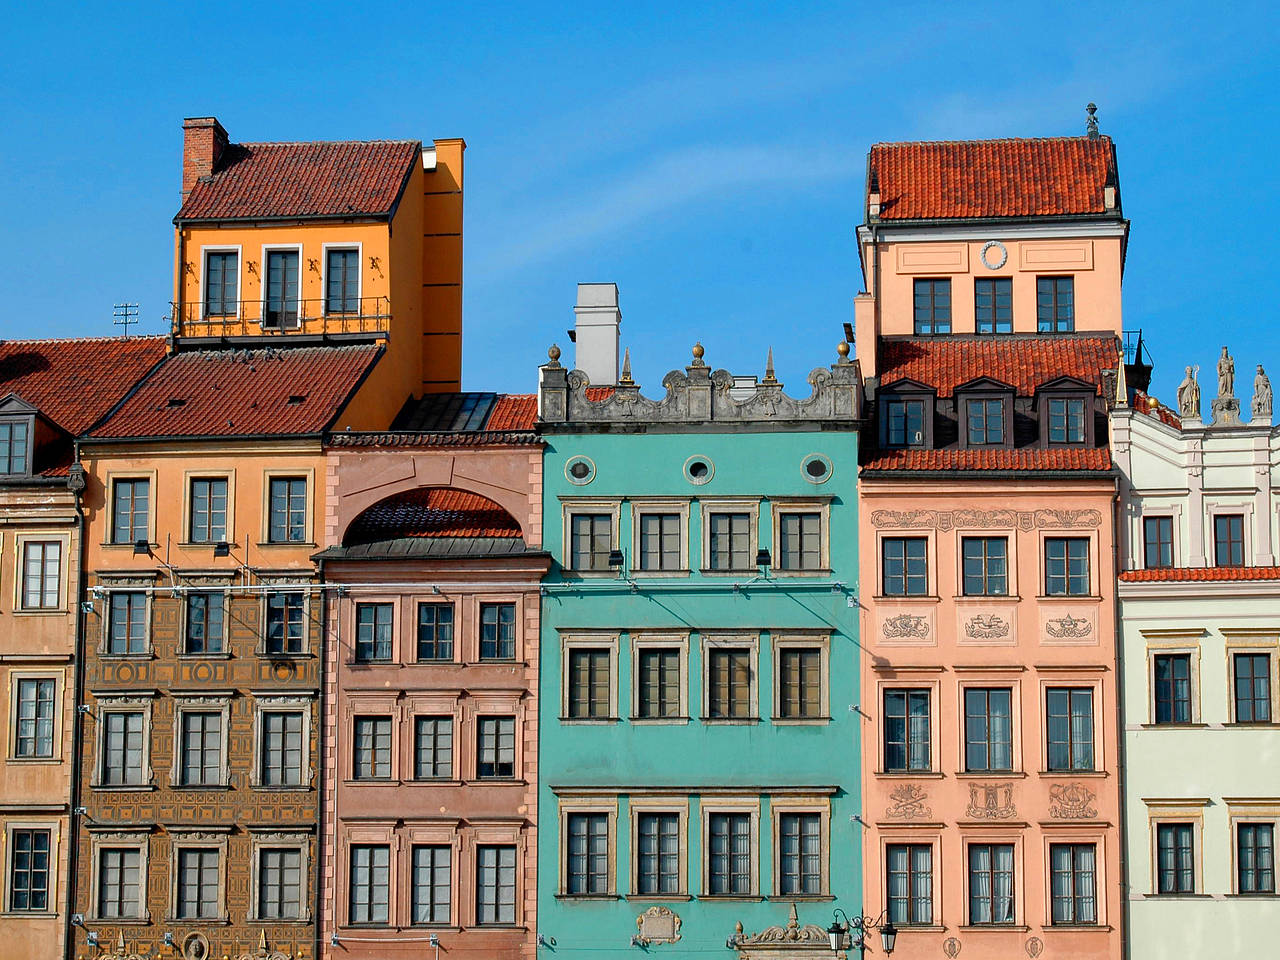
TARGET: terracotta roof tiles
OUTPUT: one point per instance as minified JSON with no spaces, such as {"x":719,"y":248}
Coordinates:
{"x":1174,"y":574}
{"x":1025,"y":363}
{"x":1065,"y":459}
{"x":434,"y":512}
{"x":1149,"y":405}
{"x":513,"y":411}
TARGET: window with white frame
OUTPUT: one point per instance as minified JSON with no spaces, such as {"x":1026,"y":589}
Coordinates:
{"x":342,"y":280}
{"x":729,"y":540}
{"x":730,"y":846}
{"x":589,"y":669}
{"x":200,"y":759}
{"x":730,"y":687}
{"x":197,"y":883}
{"x":287,"y":510}
{"x":435,"y":632}
{"x":660,"y":540}
{"x":497,"y":631}
{"x":41,"y":574}
{"x":802,"y":680}
{"x":372,"y":748}
{"x":281,"y":747}
{"x":587,"y":870}
{"x":122,"y":740}
{"x":591,"y":539}
{"x":800,"y":852}
{"x":130,"y":505}
{"x":208,"y":510}
{"x":659,"y":672}
{"x":286,"y":622}
{"x":658,"y":853}
{"x":800,"y":540}
{"x":15,"y":439}
{"x":120,"y":883}
{"x":221,"y":283}
{"x":373,"y":632}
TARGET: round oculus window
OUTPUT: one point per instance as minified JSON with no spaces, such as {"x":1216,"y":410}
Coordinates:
{"x":580,"y":470}
{"x":699,"y":469}
{"x":816,"y":468}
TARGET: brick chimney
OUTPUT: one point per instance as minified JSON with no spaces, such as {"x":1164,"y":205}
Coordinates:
{"x":203,"y":141}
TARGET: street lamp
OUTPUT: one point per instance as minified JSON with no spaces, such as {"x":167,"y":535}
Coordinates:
{"x":857,"y":929}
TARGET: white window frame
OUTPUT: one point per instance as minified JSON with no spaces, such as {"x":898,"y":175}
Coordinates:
{"x":654,"y":804}
{"x":302,"y":287}
{"x":279,"y":838}
{"x":1178,"y":811}
{"x":1192,"y":651}
{"x":109,"y":507}
{"x":205,"y":250}
{"x":20,"y":544}
{"x":188,"y":477}
{"x":307,"y":474}
{"x":710,"y":805}
{"x":747,"y":505}
{"x":588,"y":805}
{"x":58,"y":677}
{"x":575,"y":506}
{"x":714,"y":641}
{"x":779,"y":806}
{"x":184,"y":638}
{"x":130,"y":703}
{"x":260,"y":649}
{"x":358,"y":247}
{"x":52,"y":902}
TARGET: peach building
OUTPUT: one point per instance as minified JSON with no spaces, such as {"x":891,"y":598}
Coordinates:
{"x":434,"y":543}
{"x":989,"y":338}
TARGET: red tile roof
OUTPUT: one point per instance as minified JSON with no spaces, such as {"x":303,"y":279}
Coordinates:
{"x":435,"y":512}
{"x":237,"y":393}
{"x":1066,"y":459}
{"x":1025,"y":363}
{"x":318,"y":179}
{"x":1143,"y":403}
{"x":75,"y":382}
{"x":513,"y":411}
{"x":1056,"y":176}
{"x":1172,"y":574}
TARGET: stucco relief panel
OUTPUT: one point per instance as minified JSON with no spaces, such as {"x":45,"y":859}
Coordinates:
{"x":907,"y":624}
{"x":1069,"y":624}
{"x":986,"y":624}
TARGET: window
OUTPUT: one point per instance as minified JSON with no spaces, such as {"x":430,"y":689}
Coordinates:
{"x":1066,"y":566}
{"x":984,"y":421}
{"x":909,"y":882}
{"x":907,"y":741}
{"x":285,"y":619}
{"x":1173,"y":687}
{"x":200,"y":749}
{"x":41,"y":574}
{"x":281,"y":749}
{"x":659,"y":678}
{"x":435,"y":631}
{"x":730,"y":541}
{"x":729,"y":684}
{"x":208,"y":510}
{"x":589,"y":684}
{"x":205,"y":622}
{"x":127,"y":624}
{"x":729,"y":854}
{"x":29,"y":870}
{"x":279,"y":884}
{"x":993,"y":304}
{"x":1175,"y":863}
{"x":799,"y":683}
{"x":1073,"y":883}
{"x":1228,"y":540}
{"x":372,"y":748}
{"x":497,"y":631}
{"x":373,"y":632}
{"x":221,"y":276}
{"x":1255,"y":858}
{"x":988,"y":729}
{"x":932,"y":307}
{"x":495,"y":885}
{"x":800,"y":541}
{"x":1055,"y":304}
{"x":432,"y":867}
{"x":1066,"y":420}
{"x":661,"y":546}
{"x":800,"y":854}
{"x":34,"y":736}
{"x":433,"y":748}
{"x":370,"y":891}
{"x":129,"y":506}
{"x":657,"y":853}
{"x":587,"y":863}
{"x":986,"y":566}
{"x":1157,"y":535}
{"x":1253,"y":687}
{"x":197,"y":885}
{"x":287,"y":510}
{"x":904,"y":422}
{"x":1070,"y":714}
{"x":590,"y":540}
{"x":122,"y":748}
{"x":13,"y":446}
{"x":280,"y":307}
{"x":119,"y":878}
{"x":342,"y":281}
{"x":990,"y":883}
{"x":904,"y":566}
{"x":496,"y":758}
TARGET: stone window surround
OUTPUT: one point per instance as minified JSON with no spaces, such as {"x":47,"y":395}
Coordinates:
{"x":778,"y":806}
{"x":443,"y":704}
{"x":280,"y":838}
{"x":109,"y":507}
{"x":381,"y":705}
{"x":980,"y":390}
{"x":930,"y":536}
{"x":276,"y":701}
{"x":108,"y":703}
{"x":981,"y":836}
{"x":1178,"y":810}
{"x":59,"y":721}
{"x":749,"y":805}
{"x":1010,"y":537}
{"x":198,"y":838}
{"x":907,"y":390}
{"x":229,"y":535}
{"x":748,"y":505}
{"x":138,"y":583}
{"x":571,"y":506}
{"x":1066,"y":388}
{"x":369,"y":833}
{"x":116,"y":837}
{"x":54,"y":827}
{"x":493,"y":704}
{"x":305,"y":473}
{"x":642,"y":506}
{"x":1213,"y":508}
{"x":784,"y":505}
{"x":642,"y":641}
{"x":987,"y":678}
{"x":1094,"y":555}
{"x":206,"y":584}
{"x":1075,"y":680}
{"x":1242,"y":811}
{"x":1057,"y":833}
{"x":581,"y":640}
{"x":733,"y":640}
{"x":434,"y":835}
{"x":1161,"y":507}
{"x":20,"y":541}
{"x":1178,"y":645}
{"x":799,"y":640}
{"x":570,"y":805}
{"x":211,"y":702}
{"x":650,"y":804}
{"x":917,"y":835}
{"x":287,"y":584}
{"x":1252,"y":641}
{"x":901,"y":682}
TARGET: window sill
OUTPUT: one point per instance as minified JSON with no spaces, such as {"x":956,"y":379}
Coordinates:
{"x":282,"y":788}
{"x":1251,"y":896}
{"x":371,"y":663}
{"x":778,"y":572}
{"x":656,"y":897}
{"x":264,"y":655}
{"x":200,"y":787}
{"x":994,"y":927}
{"x":804,"y":897}
{"x":658,"y":574}
{"x":1087,"y":774}
{"x":497,"y":781}
{"x":204,"y":656}
{"x":907,"y":598}
{"x":149,"y":655}
{"x":660,"y":721}
{"x":1174,"y":726}
{"x":197,"y":544}
{"x":29,"y":914}
{"x":1177,"y":896}
{"x":41,"y":612}
{"x":122,"y":921}
{"x":799,"y":721}
{"x":429,"y":782}
{"x":32,"y":760}
{"x":921,"y":927}
{"x":200,"y":921}
{"x":124,"y":787}
{"x":1247,"y":725}
{"x":736,"y":572}
{"x":911,"y":774}
{"x":283,"y":921}
{"x":579,"y":721}
{"x":989,"y":774}
{"x":732,"y":897}
{"x":1009,"y":598}
{"x":1100,"y":927}
{"x":730,"y":721}
{"x":287,"y":543}
{"x":587,"y":896}
{"x":1070,"y":597}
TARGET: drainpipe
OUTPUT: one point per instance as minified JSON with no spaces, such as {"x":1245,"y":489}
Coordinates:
{"x":317,"y":869}
{"x":1121,"y":736}
{"x":77,"y":738}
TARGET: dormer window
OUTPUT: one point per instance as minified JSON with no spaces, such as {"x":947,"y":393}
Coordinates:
{"x":1065,"y":410}
{"x":984,"y":423}
{"x":15,"y":447}
{"x":906,"y":420}
{"x":932,"y":306}
{"x":1066,"y":420}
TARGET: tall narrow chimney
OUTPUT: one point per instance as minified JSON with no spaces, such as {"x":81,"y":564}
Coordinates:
{"x":203,"y":141}
{"x":596,"y":322}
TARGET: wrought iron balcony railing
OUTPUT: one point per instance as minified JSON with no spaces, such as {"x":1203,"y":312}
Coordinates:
{"x":282,"y":317}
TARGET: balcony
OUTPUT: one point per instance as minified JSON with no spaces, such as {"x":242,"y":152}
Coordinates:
{"x":327,"y":317}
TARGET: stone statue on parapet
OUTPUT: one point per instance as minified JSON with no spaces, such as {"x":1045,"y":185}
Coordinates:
{"x":1261,"y":396}
{"x":1226,"y":408}
{"x":1189,"y":395}
{"x":1226,"y":375}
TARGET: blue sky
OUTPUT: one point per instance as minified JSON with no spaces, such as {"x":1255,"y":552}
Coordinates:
{"x":707,"y":158}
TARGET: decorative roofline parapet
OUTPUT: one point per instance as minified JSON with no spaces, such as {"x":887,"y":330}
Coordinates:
{"x":699,"y":395}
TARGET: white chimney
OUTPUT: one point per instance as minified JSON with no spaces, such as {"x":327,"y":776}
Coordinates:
{"x":595,"y":333}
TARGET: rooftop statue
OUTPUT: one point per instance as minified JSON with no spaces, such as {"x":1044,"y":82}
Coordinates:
{"x":1261,"y":395}
{"x":1226,"y":375}
{"x":1189,"y":395}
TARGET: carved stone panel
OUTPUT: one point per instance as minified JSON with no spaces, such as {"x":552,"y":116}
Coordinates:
{"x":658,"y":925}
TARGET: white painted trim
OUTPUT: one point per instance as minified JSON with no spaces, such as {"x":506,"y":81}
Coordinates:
{"x":205,"y":250}
{"x":262,"y":283}
{"x":358,"y":247}
{"x":888,"y":232}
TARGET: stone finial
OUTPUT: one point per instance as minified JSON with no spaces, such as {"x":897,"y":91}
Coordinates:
{"x":769,"y":376}
{"x":1091,"y":125}
{"x":625,"y":379}
{"x":842,"y":348}
{"x":698,"y":351}
{"x":553,"y":354}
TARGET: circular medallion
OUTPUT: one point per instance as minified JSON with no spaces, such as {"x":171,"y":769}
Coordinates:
{"x":579,"y":470}
{"x":999,"y":259}
{"x":699,"y":470}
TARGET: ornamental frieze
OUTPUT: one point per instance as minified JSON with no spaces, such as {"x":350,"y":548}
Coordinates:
{"x":991,"y":801}
{"x":1025,"y":520}
{"x":990,"y":627}
{"x":905,"y":625}
{"x":908,"y":802}
{"x":1069,"y":627}
{"x":1071,"y":801}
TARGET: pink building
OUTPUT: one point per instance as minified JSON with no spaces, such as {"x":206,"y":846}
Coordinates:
{"x":988,"y":335}
{"x":433,"y":534}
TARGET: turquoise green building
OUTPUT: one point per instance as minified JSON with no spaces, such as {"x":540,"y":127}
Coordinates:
{"x":698,"y":759}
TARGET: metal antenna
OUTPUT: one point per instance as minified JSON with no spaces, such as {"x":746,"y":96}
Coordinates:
{"x":125,"y":314}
